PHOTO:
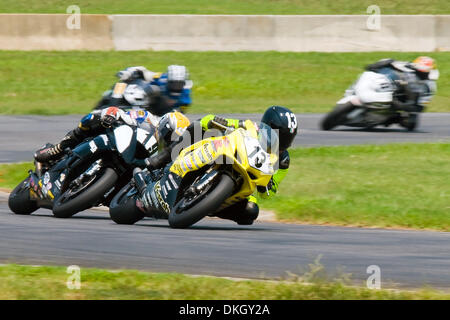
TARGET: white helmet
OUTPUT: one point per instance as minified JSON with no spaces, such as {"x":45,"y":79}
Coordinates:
{"x":177,"y":73}
{"x":136,"y":96}
{"x":177,"y":78}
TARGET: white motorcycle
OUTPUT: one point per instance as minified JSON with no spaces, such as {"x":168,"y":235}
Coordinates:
{"x":368,"y":103}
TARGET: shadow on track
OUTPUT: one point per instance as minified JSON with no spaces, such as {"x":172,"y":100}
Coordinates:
{"x":208,"y":228}
{"x":400,"y":130}
{"x":143,"y":224}
{"x":50,"y":215}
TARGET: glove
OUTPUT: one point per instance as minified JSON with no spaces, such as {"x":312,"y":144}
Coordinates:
{"x":124,"y":75}
{"x":230,"y":123}
{"x":217,"y":120}
{"x":158,"y":161}
{"x":133,"y":73}
{"x":262,"y":189}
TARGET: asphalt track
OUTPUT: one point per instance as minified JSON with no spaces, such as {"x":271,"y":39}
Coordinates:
{"x":223,"y":248}
{"x":21,"y":135}
{"x":218,"y":247}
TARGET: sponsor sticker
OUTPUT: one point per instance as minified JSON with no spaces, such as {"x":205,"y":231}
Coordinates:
{"x":163,"y":204}
{"x":183,"y":166}
{"x":208,"y":151}
{"x":218,"y":143}
{"x":188,"y":162}
{"x":93,"y":146}
{"x":174,"y":184}
{"x":200,"y":156}
{"x":46,"y":178}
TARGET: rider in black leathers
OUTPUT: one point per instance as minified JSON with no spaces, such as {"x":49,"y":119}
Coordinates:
{"x":148,"y":95}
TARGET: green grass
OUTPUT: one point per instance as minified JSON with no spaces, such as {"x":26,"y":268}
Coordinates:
{"x":12,"y":174}
{"x":399,"y":185}
{"x":229,"y":6}
{"x":26,"y":282}
{"x":72,"y":82}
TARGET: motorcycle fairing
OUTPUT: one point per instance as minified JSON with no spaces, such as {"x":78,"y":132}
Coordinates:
{"x":125,"y":141}
{"x":161,"y":195}
{"x":230,"y":149}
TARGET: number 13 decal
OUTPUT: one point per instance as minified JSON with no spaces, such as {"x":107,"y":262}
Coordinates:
{"x":292,"y":120}
{"x":259,"y":157}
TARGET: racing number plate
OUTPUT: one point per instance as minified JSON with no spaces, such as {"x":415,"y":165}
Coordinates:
{"x":119,"y":89}
{"x":257,"y":157}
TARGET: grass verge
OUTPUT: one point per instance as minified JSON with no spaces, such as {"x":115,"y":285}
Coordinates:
{"x":71,"y":82}
{"x":229,"y":6}
{"x":398,"y":185}
{"x":28,"y":282}
{"x":12,"y":174}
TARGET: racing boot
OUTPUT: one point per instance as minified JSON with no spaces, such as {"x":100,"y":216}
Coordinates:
{"x":50,"y":152}
{"x":243,"y":213}
{"x":250,"y":213}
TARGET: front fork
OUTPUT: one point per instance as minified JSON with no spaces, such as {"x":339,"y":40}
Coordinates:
{"x":204,"y":182}
{"x":93,"y":169}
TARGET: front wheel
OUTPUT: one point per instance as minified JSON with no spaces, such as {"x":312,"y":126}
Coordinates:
{"x":79,"y":197}
{"x":206,"y":203}
{"x":337,"y":116}
{"x":411,"y":122}
{"x":123,"y":209}
{"x":19,"y":199}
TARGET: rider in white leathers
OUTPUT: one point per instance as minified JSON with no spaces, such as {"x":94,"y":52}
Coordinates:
{"x":405,"y":86}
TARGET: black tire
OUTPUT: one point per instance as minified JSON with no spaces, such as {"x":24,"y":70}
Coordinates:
{"x":336,"y":116}
{"x":65,"y":208}
{"x":209,"y":203}
{"x":411,"y":122}
{"x":19,"y":199}
{"x":122,"y":208}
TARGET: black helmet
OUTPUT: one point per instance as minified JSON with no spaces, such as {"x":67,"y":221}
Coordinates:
{"x":283,"y":120}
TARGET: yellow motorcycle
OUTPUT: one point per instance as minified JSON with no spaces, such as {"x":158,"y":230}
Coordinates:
{"x":205,"y":178}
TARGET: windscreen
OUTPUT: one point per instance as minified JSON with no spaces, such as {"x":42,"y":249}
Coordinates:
{"x":268,"y":138}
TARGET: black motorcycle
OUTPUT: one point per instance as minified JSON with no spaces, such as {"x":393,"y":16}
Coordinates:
{"x":87,"y":176}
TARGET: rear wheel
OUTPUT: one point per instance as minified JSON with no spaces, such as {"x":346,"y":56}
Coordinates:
{"x":19,"y":199}
{"x":337,"y":116}
{"x":190,"y":210}
{"x":79,"y":197}
{"x":122,"y":208}
{"x":411,"y":122}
